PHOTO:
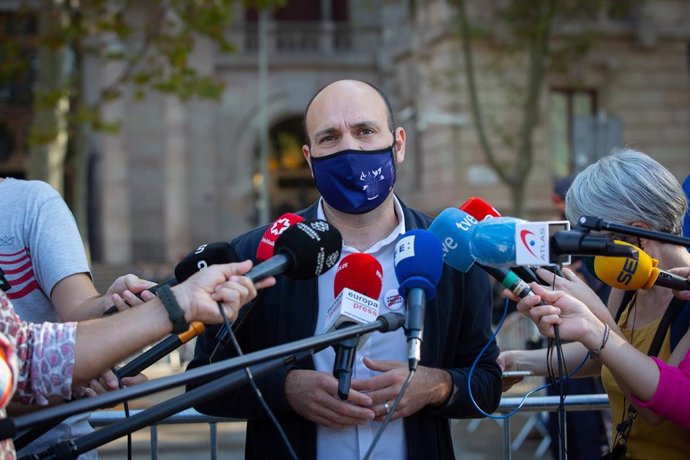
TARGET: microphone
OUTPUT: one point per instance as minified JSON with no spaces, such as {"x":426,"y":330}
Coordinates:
{"x":304,"y":250}
{"x":356,"y":288}
{"x":418,"y":262}
{"x":506,"y":241}
{"x":482,"y":210}
{"x":479,"y":209}
{"x":267,"y":244}
{"x":629,"y":274}
{"x":454,"y":228}
{"x":203,"y":256}
{"x":456,"y":241}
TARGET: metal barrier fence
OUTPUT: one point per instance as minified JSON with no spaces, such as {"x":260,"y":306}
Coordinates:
{"x":532,"y":404}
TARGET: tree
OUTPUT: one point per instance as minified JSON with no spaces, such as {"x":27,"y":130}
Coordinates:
{"x":152,"y":41}
{"x":528,"y":28}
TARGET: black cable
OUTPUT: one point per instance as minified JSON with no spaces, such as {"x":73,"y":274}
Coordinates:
{"x":389,"y":415}
{"x":125,"y":404}
{"x":562,"y":376}
{"x":255,"y":388}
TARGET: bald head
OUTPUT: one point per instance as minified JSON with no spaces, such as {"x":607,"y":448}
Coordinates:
{"x":344,"y":95}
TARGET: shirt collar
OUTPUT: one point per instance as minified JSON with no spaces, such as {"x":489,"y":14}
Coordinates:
{"x":392,"y":236}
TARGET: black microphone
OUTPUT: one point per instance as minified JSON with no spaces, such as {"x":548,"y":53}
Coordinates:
{"x":305,"y":250}
{"x":578,"y":243}
{"x":203,"y":256}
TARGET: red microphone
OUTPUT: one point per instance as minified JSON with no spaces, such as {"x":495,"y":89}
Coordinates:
{"x":479,"y":209}
{"x":357,"y":285}
{"x":267,"y":245}
{"x":360,"y":272}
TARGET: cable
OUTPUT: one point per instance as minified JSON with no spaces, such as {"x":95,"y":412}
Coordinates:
{"x":528,"y":394}
{"x":255,"y":388}
{"x":560,"y":412}
{"x":125,"y":403}
{"x":389,"y":415}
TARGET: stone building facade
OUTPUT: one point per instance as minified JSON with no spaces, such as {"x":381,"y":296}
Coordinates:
{"x":180,"y":174}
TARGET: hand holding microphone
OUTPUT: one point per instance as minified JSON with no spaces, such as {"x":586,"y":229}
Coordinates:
{"x":685,"y":273}
{"x":641,"y":272}
{"x":224,"y":284}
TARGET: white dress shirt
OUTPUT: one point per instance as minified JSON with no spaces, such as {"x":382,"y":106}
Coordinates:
{"x":353,"y":442}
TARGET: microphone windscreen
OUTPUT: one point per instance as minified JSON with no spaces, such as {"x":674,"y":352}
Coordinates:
{"x":313,"y":247}
{"x":453,"y":228}
{"x":205,"y":255}
{"x":266,"y":247}
{"x":479,"y":209}
{"x":418,"y":262}
{"x":493,"y":241}
{"x":627,"y":273}
{"x":360,"y":272}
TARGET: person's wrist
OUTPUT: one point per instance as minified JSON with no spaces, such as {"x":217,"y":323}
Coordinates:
{"x":592,"y":338}
{"x":184,"y":300}
{"x":176,"y":314}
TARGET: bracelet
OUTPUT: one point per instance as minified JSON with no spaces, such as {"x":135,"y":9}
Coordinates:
{"x":175,"y":312}
{"x":594,"y":354}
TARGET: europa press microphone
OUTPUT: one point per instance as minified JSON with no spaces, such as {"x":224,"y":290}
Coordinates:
{"x":641,"y":272}
{"x":418,"y":262}
{"x":304,"y":250}
{"x":356,"y":287}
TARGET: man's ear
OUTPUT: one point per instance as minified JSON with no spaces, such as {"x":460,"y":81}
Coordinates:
{"x":307,"y":156}
{"x":399,"y":145}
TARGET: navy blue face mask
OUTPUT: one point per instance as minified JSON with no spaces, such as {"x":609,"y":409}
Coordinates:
{"x":355,"y":181}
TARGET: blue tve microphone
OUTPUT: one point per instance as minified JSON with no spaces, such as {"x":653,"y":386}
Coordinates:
{"x":418,"y":264}
{"x":454,"y":228}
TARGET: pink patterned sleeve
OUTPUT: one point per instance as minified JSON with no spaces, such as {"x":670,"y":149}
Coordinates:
{"x":672,"y":396}
{"x":45,"y":352}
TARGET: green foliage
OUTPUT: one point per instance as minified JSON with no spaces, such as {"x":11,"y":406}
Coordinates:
{"x":152,"y":43}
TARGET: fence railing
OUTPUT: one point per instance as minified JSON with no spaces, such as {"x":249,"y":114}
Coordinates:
{"x":532,"y":404}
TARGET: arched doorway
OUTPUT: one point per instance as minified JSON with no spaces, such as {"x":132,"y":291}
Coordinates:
{"x":291,"y":186}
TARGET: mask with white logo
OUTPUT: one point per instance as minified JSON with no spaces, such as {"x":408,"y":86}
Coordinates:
{"x":355,"y":181}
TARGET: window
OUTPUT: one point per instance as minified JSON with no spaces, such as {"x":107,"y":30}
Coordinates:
{"x":564,"y":106}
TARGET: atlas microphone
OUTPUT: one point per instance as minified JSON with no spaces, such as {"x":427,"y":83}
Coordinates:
{"x":356,"y":289}
{"x":454,"y":228}
{"x":481,"y":210}
{"x":632,"y":273}
{"x":418,"y":262}
{"x":507,"y":241}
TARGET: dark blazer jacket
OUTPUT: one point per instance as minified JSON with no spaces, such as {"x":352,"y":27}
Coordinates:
{"x":456,"y":328}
